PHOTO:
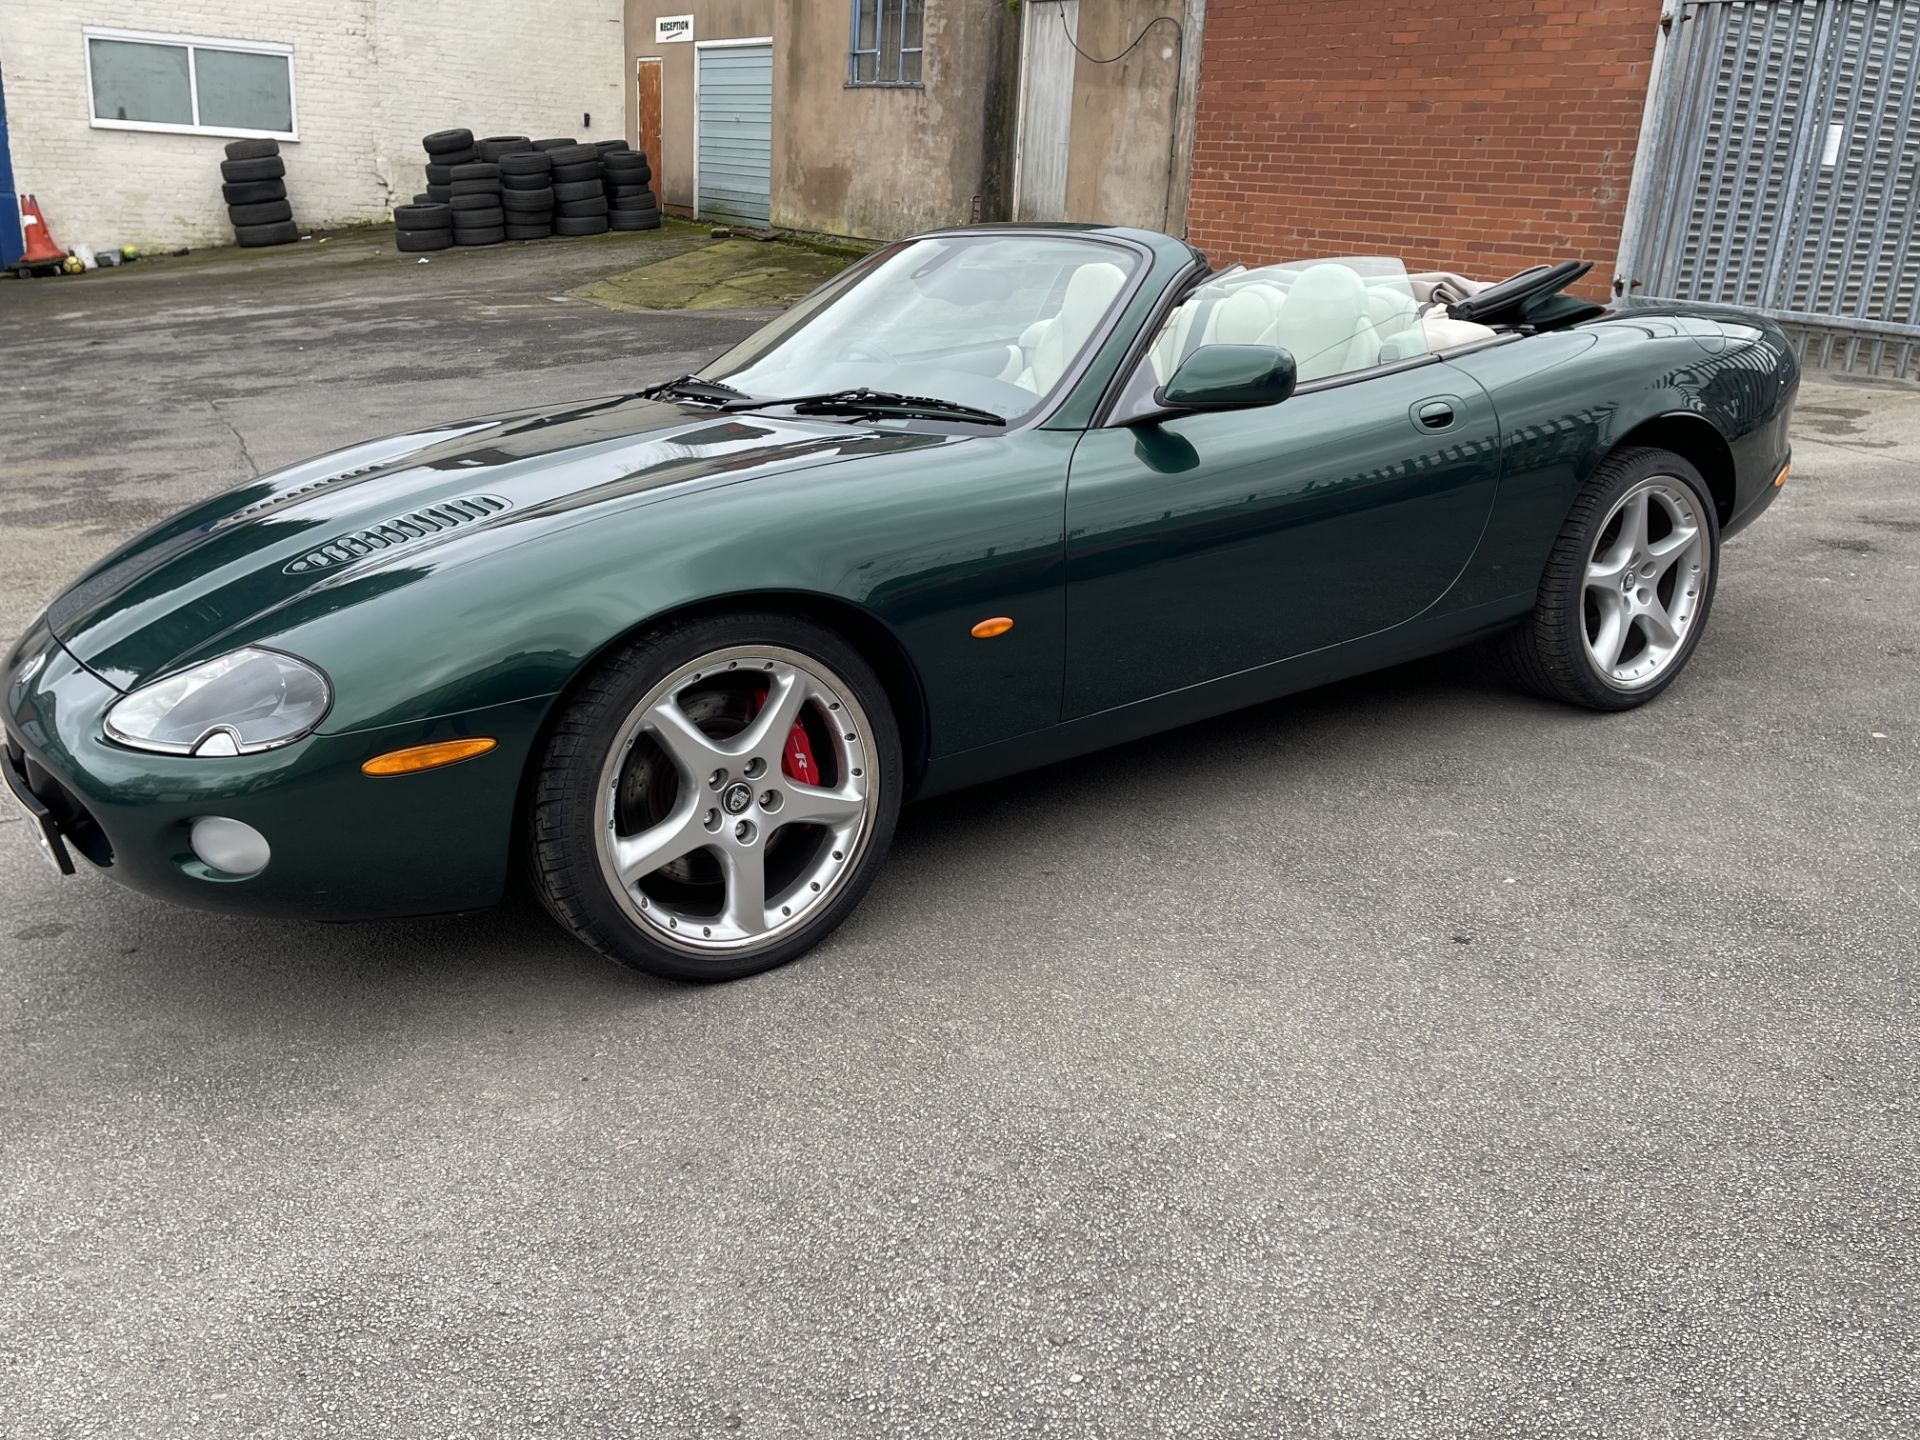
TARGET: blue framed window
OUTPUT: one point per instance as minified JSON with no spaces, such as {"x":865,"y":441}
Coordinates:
{"x":885,"y":45}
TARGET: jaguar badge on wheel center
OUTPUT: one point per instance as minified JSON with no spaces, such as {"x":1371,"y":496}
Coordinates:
{"x":737,"y":797}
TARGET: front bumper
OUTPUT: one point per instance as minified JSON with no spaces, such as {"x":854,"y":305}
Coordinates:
{"x":344,"y":845}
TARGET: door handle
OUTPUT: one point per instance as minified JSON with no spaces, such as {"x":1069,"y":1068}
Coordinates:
{"x":1434,"y":414}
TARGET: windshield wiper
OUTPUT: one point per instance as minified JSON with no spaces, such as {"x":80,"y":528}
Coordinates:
{"x":865,"y":401}
{"x":692,"y":387}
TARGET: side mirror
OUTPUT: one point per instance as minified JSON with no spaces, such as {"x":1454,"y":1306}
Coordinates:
{"x":1230,"y":377}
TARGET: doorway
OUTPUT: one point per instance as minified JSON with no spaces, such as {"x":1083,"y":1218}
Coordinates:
{"x":646,"y":111}
{"x":1048,"y":28}
{"x":733,"y":129}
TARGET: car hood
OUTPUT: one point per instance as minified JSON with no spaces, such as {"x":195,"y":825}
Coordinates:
{"x":185,"y":586}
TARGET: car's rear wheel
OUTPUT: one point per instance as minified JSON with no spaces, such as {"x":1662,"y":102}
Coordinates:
{"x":716,"y":797}
{"x":1627,"y":588}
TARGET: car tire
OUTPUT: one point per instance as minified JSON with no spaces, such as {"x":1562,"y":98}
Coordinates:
{"x":256,"y":235}
{"x":266,"y":167}
{"x":573,"y":155}
{"x":422,"y":217}
{"x":475,"y":200}
{"x":413,"y":241}
{"x":267,"y":212}
{"x":1627,"y":588}
{"x":578,"y":225}
{"x":439,"y":174}
{"x":253,"y":192}
{"x":525,"y":200}
{"x":582,"y":209}
{"x":439,"y":194}
{"x":566,"y":144}
{"x":251,"y":149}
{"x":604,"y":775}
{"x":525,"y":162}
{"x":492,"y":219}
{"x":529,"y":232}
{"x":633,"y":220}
{"x":480,"y":235}
{"x":443,"y":142}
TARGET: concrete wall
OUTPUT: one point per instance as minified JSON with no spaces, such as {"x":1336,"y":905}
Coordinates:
{"x":370,"y":78}
{"x":712,"y":20}
{"x":872,"y":162}
{"x":1121,"y":153}
{"x":883,"y":163}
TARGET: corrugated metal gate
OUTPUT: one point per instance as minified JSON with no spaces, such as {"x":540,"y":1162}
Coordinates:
{"x":1777,"y":172}
{"x":733,"y":127}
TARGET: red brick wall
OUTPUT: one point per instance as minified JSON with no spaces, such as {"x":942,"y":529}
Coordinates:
{"x":1476,"y":135}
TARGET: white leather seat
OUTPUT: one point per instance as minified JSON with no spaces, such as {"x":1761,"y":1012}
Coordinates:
{"x":1327,"y":323}
{"x":1396,"y":323}
{"x":1443,"y":332}
{"x":1245,"y":316}
{"x":1089,"y":293}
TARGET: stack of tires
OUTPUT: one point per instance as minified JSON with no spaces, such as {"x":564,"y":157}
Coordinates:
{"x":445,"y":149}
{"x":474,"y":195}
{"x":627,"y":178}
{"x":526,"y":186}
{"x":579,"y":196}
{"x":255,"y":189}
{"x":423,"y":225}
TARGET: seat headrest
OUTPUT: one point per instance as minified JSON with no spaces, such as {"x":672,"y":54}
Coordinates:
{"x":1091,"y":290}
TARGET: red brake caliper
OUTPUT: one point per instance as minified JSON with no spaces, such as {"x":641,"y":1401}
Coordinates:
{"x":796,"y":760}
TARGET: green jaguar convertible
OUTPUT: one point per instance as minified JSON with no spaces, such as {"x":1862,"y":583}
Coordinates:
{"x":991,"y":498}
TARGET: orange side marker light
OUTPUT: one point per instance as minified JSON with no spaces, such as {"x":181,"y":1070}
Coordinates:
{"x":1781,"y":478}
{"x":426,"y":757}
{"x":987,"y":629}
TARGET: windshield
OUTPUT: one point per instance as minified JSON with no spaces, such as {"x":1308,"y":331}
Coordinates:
{"x":991,"y":321}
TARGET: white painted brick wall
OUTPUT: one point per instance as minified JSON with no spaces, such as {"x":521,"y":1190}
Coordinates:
{"x":370,"y":78}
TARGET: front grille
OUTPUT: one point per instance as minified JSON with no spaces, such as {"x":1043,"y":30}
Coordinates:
{"x":414,"y":525}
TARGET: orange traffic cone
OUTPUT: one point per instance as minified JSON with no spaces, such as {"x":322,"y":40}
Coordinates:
{"x":33,"y":225}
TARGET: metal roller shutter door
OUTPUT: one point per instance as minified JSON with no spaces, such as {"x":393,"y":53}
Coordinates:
{"x":734,"y":111}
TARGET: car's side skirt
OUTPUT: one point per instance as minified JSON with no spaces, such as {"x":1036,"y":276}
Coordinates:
{"x":1426,"y":636}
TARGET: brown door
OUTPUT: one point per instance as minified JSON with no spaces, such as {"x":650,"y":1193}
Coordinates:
{"x":647,"y":117}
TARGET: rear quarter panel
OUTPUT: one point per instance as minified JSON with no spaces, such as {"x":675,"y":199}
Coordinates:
{"x":1568,"y":398}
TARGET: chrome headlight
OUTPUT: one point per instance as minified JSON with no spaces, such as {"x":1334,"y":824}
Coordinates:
{"x":242,"y":702}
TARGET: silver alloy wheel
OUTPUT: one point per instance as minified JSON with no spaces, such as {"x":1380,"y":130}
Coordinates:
{"x":1645,"y":580}
{"x":733,"y":801}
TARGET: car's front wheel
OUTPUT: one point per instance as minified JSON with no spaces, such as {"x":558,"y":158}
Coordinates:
{"x":1627,"y":588}
{"x":715,"y":798}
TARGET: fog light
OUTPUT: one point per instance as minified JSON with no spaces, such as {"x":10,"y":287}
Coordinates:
{"x":229,"y":846}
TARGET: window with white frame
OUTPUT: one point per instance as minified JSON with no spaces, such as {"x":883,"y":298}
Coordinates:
{"x":186,"y":85}
{"x":886,"y":42}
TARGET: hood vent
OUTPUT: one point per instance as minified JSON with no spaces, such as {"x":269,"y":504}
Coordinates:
{"x":414,"y":525}
{"x":288,"y":497}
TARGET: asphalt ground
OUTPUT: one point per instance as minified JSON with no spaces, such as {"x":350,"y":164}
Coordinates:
{"x":1409,"y":1058}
